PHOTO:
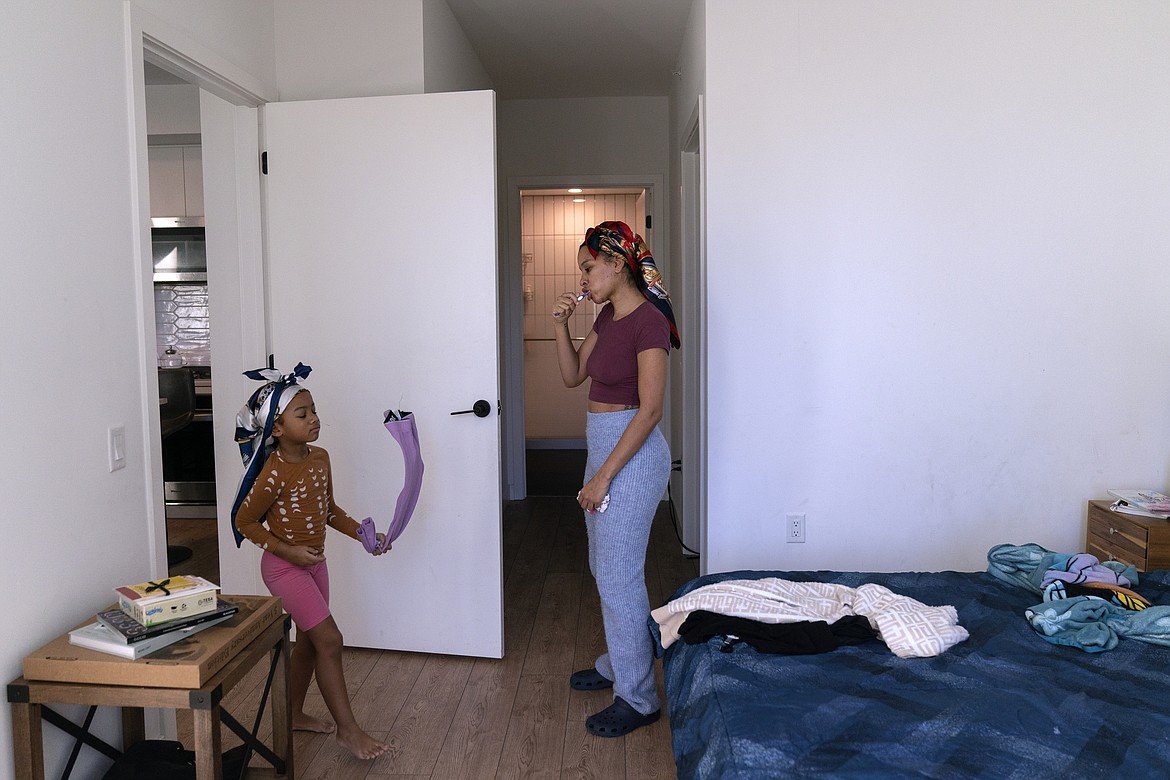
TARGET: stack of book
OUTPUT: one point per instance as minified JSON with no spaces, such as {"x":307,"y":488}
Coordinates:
{"x":153,"y":615}
{"x":1146,"y":503}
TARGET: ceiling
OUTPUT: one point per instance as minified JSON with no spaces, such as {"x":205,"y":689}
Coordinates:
{"x":566,"y":48}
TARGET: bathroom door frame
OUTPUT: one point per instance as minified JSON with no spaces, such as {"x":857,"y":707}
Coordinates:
{"x":693,"y":390}
{"x":512,"y":309}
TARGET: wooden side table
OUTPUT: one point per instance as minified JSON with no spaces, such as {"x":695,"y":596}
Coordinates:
{"x":1142,"y":542}
{"x":29,"y":700}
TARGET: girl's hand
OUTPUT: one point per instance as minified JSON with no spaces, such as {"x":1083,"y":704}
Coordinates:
{"x":593,"y":493}
{"x":564,"y":307}
{"x":299,"y":555}
{"x":383,"y":545}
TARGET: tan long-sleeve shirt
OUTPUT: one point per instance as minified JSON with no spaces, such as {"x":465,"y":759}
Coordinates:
{"x":295,"y":500}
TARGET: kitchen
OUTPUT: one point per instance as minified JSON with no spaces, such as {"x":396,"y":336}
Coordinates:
{"x":182,"y":323}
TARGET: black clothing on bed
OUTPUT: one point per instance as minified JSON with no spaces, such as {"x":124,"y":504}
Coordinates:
{"x":805,"y":637}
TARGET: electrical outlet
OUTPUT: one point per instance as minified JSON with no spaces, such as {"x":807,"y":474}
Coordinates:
{"x":795,"y":533}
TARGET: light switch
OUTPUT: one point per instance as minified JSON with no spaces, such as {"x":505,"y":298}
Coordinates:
{"x":117,"y":447}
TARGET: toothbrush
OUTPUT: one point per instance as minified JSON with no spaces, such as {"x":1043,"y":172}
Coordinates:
{"x":578,"y":299}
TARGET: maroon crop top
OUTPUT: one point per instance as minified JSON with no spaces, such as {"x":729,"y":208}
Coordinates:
{"x":613,"y":363}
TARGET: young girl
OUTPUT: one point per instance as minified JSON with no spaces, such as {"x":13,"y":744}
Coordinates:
{"x":625,"y":355}
{"x":292,"y":494}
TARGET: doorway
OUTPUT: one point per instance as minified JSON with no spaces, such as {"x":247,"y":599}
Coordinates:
{"x":552,"y":223}
{"x":225,"y":130}
{"x":182,"y":323}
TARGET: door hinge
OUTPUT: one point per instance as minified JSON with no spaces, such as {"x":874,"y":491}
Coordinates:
{"x":264,"y":163}
{"x":648,"y":220}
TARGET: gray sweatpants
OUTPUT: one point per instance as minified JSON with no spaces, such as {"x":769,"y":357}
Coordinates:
{"x":617,"y":555}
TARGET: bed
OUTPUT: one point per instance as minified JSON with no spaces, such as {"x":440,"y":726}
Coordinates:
{"x":1003,"y":703}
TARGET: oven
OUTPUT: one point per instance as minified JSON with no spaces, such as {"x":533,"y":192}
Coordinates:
{"x":188,"y":457}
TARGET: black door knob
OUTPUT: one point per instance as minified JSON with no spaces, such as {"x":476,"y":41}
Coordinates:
{"x":480,"y":408}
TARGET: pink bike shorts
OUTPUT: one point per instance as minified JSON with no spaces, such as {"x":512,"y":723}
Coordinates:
{"x":304,"y":590}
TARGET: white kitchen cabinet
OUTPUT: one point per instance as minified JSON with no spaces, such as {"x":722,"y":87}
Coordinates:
{"x":176,"y":181}
{"x":167,"y":198}
{"x":193,"y":180}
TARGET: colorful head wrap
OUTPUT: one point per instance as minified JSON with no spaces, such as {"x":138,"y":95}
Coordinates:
{"x":254,"y":425}
{"x":617,"y":240}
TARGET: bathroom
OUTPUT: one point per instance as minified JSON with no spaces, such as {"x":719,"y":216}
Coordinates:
{"x":552,"y":224}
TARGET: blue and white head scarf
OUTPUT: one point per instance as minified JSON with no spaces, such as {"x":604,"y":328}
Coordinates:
{"x":254,"y":425}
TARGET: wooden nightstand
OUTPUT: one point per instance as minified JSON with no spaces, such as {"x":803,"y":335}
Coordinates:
{"x":1143,"y":542}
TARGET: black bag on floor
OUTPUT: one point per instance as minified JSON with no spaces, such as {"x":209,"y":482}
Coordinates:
{"x":165,"y":759}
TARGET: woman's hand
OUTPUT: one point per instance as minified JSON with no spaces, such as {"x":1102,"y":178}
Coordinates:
{"x":593,"y":493}
{"x":299,"y":555}
{"x":382,"y":545}
{"x":563,"y":308}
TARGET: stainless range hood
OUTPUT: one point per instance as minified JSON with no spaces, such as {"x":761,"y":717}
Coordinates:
{"x":176,"y":222}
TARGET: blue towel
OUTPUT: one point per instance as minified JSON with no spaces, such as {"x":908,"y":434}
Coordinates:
{"x":1094,"y":625}
{"x":1086,"y":622}
{"x":1025,"y":565}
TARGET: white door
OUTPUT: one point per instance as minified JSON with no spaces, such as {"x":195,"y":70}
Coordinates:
{"x":381,"y":226}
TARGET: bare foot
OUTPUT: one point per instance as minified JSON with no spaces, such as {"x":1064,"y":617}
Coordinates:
{"x":304,"y":722}
{"x":361,"y":744}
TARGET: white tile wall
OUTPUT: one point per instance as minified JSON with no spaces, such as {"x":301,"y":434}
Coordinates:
{"x":552,"y":228}
{"x":181,"y":320}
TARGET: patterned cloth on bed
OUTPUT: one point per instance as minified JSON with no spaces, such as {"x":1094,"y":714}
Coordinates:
{"x":1005,"y":703}
{"x":909,"y":628}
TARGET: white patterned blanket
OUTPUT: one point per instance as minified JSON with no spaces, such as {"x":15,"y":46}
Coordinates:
{"x":909,"y":628}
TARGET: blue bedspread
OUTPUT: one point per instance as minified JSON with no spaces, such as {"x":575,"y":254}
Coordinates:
{"x":1003,"y":704}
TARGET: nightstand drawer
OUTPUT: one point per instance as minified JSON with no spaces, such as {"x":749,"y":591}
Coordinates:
{"x":1143,"y":542}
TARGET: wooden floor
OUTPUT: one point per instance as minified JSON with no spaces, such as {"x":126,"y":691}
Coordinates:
{"x":455,"y":717}
{"x":198,"y":535}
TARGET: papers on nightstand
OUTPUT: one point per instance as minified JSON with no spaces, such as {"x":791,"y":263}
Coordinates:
{"x":1146,"y":503}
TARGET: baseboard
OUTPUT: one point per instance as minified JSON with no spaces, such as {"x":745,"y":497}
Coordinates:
{"x":554,"y":444}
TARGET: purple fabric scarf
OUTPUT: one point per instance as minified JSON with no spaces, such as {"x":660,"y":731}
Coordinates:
{"x":406,"y":434}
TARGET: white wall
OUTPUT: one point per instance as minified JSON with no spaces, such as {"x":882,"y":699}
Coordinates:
{"x":360,"y":48}
{"x":238,"y":31}
{"x":582,"y":136}
{"x":449,"y":62}
{"x":348,"y":48}
{"x":74,"y":529}
{"x":937,"y":233}
{"x":172,"y":109}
